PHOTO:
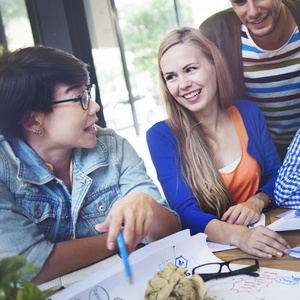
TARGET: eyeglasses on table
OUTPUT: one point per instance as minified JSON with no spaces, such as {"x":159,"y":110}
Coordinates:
{"x":226,"y":269}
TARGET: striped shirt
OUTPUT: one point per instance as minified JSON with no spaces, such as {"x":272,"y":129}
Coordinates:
{"x":287,"y":187}
{"x":272,"y":80}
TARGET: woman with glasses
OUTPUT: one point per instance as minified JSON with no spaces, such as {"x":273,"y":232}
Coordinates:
{"x":214,"y":158}
{"x":63,"y":179}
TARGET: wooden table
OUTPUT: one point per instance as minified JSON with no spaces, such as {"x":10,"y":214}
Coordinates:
{"x":285,"y":263}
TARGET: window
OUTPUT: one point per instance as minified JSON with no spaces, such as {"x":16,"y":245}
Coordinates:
{"x":15,"y":25}
{"x":140,"y":25}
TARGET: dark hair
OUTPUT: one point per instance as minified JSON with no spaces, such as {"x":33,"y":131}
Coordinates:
{"x":28,"y":77}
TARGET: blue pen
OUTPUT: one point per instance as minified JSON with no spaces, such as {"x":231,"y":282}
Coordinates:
{"x":123,"y":252}
{"x":297,"y":212}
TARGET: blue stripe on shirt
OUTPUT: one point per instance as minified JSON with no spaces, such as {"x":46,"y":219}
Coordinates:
{"x":294,"y":38}
{"x":282,"y":88}
{"x":250,"y":49}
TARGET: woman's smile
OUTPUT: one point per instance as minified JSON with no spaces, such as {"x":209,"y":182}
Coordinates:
{"x":191,"y":96}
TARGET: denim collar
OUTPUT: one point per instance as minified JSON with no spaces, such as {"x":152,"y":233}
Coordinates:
{"x":31,"y":168}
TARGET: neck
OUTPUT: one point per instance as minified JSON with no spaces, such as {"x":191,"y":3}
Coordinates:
{"x":281,"y":34}
{"x":215,"y":120}
{"x":59,"y":158}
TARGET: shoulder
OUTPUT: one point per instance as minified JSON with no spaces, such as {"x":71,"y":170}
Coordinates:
{"x":227,"y":16}
{"x":292,"y":4}
{"x":108,"y":136}
{"x":246,"y":107}
{"x":251,"y":114}
{"x":294,"y":7}
{"x":160,"y":133}
{"x":159,"y":128}
{"x":294,"y":146}
{"x":8,"y":158}
{"x":103,"y":132}
{"x":110,"y":141}
{"x":5,"y":148}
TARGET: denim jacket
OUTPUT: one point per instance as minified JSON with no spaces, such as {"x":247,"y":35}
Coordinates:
{"x":37,"y":209}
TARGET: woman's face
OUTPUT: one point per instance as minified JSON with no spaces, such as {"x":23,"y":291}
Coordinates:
{"x":190,"y":78}
{"x":70,"y":126}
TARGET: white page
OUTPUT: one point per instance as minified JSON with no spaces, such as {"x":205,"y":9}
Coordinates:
{"x":187,"y":253}
{"x":158,"y":245}
{"x":272,"y":284}
{"x":288,"y":221}
{"x":51,"y":284}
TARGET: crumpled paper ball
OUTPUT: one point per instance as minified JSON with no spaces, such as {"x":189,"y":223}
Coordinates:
{"x":171,"y":283}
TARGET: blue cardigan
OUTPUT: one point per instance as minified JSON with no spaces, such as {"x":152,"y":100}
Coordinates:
{"x":164,"y":153}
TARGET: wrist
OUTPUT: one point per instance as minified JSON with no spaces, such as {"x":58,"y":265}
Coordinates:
{"x":238,"y":234}
{"x":266,"y":198}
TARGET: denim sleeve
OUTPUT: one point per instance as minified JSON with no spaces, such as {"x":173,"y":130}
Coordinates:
{"x":133,"y":174}
{"x":287,"y":187}
{"x":19,"y":235}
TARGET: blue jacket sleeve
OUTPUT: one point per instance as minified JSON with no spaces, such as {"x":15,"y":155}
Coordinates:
{"x":164,"y":153}
{"x":260,"y":145}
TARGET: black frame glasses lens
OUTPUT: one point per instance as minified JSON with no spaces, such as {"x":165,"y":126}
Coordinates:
{"x":84,"y":97}
{"x":87,"y":95}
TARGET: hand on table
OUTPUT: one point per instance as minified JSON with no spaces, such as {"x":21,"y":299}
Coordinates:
{"x":136,"y":213}
{"x":245,"y":213}
{"x":262,"y":242}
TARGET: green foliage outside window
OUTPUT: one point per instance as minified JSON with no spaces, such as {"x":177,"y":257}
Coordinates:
{"x":144,"y":27}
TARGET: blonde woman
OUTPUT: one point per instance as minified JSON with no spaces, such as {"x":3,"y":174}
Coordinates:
{"x":214,"y":158}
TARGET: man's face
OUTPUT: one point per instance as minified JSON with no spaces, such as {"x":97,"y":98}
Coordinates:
{"x":260,"y":16}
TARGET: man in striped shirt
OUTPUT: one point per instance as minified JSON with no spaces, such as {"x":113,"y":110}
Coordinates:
{"x":260,"y":41}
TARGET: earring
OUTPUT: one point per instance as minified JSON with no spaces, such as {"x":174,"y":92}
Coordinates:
{"x":39,"y":132}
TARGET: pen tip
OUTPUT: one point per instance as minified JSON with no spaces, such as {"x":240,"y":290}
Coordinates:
{"x":130,"y":280}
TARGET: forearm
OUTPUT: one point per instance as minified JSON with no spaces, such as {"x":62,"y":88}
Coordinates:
{"x":224,"y":233}
{"x":71,"y":255}
{"x":164,"y":223}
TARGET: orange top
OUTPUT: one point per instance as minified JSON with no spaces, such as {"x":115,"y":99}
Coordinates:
{"x":243,"y":181}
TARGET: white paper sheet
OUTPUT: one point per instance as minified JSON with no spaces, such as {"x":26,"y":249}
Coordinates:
{"x":272,"y":284}
{"x":111,"y":283}
{"x":186,"y":251}
{"x":288,"y":221}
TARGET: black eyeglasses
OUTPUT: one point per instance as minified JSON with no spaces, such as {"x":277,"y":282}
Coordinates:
{"x":84,"y":97}
{"x":214,"y":270}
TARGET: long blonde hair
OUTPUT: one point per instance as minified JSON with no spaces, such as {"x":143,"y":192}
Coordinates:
{"x":195,"y":155}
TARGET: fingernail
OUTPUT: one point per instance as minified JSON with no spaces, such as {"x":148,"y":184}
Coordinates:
{"x":111,"y":246}
{"x":270,"y":256}
{"x":279,"y":254}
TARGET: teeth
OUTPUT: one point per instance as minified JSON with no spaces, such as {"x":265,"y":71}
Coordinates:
{"x":259,"y":21}
{"x":91,"y":127}
{"x":191,"y":95}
